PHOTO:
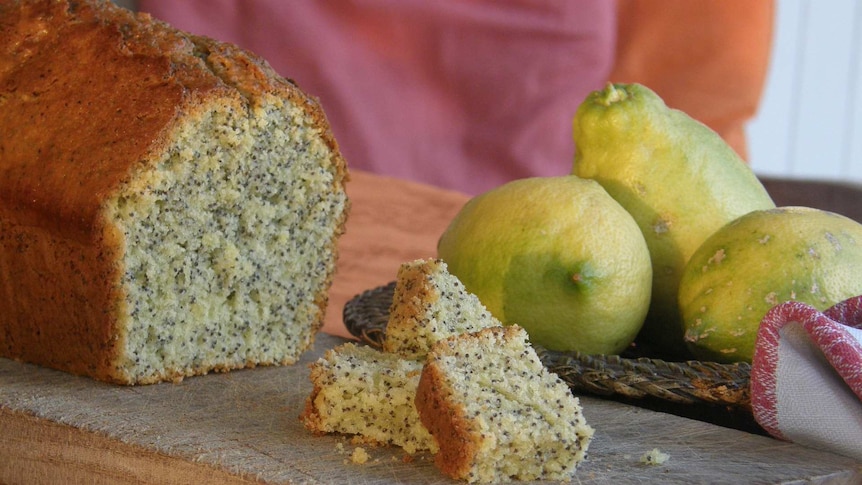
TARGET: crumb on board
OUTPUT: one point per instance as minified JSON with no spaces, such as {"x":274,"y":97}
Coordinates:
{"x":359,"y":455}
{"x":654,"y":457}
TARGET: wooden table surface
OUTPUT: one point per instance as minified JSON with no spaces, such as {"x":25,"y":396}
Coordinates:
{"x":243,"y":426}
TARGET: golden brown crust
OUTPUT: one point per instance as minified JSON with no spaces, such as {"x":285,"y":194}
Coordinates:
{"x":88,"y":94}
{"x":455,"y":435}
{"x":310,"y":415}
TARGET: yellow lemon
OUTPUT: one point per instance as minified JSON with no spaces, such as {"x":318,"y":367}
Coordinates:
{"x":558,"y":256}
{"x":676,"y":177}
{"x":759,"y":260}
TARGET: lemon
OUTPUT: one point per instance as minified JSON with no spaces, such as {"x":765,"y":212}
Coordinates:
{"x":678,"y":179}
{"x":759,"y":260}
{"x":556,"y":255}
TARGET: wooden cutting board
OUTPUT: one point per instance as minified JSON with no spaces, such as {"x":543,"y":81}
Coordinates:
{"x":243,"y":427}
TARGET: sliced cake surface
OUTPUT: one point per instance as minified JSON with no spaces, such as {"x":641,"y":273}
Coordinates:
{"x":362,"y":391}
{"x":169,"y":205}
{"x":496,"y":413}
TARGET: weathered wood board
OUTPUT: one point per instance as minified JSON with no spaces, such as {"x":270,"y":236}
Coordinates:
{"x":244,"y":426}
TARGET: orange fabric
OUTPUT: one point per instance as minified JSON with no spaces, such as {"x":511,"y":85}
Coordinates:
{"x":708,"y":58}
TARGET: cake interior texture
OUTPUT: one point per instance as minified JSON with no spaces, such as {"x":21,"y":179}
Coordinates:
{"x":228,"y":241}
{"x":497,"y":413}
{"x":169,"y":205}
{"x":364,"y":392}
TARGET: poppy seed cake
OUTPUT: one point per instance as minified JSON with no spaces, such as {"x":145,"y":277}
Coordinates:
{"x":428,"y":305}
{"x":359,"y":390}
{"x":497,"y":413}
{"x":367,"y":392}
{"x":169,"y":205}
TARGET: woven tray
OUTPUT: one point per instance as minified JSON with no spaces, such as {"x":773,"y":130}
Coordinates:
{"x":690,"y":383}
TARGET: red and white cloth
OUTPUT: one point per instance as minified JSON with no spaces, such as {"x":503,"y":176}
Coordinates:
{"x":806,"y":376}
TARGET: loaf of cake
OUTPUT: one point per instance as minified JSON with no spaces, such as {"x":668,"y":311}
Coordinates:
{"x":496,"y":413}
{"x":369,"y":393}
{"x":169,"y":205}
{"x":430,"y":304}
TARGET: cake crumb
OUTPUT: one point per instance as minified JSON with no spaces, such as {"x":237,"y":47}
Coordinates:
{"x":359,"y":455}
{"x":654,"y":457}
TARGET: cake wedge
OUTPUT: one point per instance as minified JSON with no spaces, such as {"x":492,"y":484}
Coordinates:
{"x":497,"y":413}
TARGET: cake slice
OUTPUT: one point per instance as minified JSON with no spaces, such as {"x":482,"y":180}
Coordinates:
{"x":430,"y":304}
{"x":497,"y":413}
{"x":169,"y":205}
{"x":361,"y":391}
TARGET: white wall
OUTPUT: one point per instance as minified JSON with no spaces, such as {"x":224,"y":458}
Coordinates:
{"x":810,"y":121}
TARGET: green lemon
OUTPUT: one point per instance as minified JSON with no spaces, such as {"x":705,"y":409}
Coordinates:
{"x":759,"y":260}
{"x":678,"y":179}
{"x":558,"y":256}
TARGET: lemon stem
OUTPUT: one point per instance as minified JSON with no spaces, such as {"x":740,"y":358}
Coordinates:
{"x":613,"y":94}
